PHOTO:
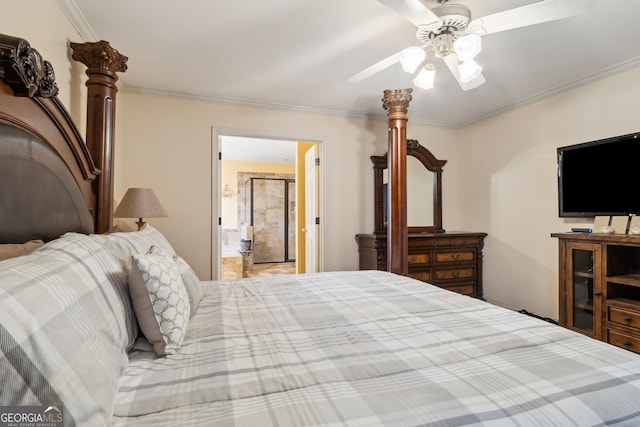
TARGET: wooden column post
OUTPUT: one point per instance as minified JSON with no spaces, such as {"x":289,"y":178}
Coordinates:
{"x":103,"y":62}
{"x":396,"y":102}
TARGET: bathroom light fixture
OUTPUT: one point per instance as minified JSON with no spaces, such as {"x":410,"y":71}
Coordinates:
{"x":140,"y":203}
{"x":227,"y":192}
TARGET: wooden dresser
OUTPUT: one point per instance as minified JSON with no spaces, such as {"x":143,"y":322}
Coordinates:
{"x":600,"y":286}
{"x":451,"y":260}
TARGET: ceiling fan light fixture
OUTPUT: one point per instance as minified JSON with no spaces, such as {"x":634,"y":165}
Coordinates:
{"x":467,"y":47}
{"x":425,"y":77}
{"x":469,"y":70}
{"x":443,"y":44}
{"x":411,"y":58}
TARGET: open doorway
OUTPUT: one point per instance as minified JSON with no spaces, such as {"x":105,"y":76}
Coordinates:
{"x":261,"y":200}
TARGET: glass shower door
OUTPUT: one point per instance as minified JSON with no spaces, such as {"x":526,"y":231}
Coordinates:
{"x":273,"y":219}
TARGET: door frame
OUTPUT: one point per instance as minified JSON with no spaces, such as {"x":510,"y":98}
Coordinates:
{"x":216,"y":176}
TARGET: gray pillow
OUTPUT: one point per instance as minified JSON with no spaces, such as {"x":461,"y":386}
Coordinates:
{"x":160,"y":301}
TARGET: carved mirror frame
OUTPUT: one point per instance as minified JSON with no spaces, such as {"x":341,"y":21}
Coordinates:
{"x":431,"y":163}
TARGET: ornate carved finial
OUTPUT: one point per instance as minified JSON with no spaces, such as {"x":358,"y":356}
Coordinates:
{"x":99,"y":55}
{"x":396,"y":101}
{"x":24,"y":70}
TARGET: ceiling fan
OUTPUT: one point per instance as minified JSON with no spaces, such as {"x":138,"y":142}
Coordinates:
{"x":447,"y":32}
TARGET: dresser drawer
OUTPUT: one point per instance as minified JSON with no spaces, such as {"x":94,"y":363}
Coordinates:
{"x":429,"y":242}
{"x":464,"y":241}
{"x":455,"y":274}
{"x":457,"y":256}
{"x":418,"y":259}
{"x":424,"y":276}
{"x":462,"y":288}
{"x":620,"y":339}
{"x":622,"y":315}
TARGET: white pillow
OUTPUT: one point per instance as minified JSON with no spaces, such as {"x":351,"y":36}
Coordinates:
{"x":160,"y":301}
{"x":124,"y":244}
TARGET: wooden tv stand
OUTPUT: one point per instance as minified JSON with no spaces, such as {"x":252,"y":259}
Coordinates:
{"x":600,"y":286}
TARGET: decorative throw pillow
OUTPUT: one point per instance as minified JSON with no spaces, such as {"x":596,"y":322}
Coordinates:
{"x":160,"y":301}
{"x":189,"y":278}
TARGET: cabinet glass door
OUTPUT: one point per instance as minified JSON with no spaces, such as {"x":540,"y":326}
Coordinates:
{"x":582,"y":314}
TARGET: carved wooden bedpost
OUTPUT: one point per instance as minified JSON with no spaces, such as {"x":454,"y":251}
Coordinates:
{"x":396,"y":102}
{"x":103,"y":62}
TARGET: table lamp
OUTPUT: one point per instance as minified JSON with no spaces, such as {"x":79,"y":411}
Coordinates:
{"x":140,"y":203}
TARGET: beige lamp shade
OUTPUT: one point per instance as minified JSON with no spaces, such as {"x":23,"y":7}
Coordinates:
{"x":140,"y":203}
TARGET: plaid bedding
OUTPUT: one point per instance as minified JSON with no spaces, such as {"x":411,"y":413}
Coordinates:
{"x":373,"y":348}
{"x":66,"y":324}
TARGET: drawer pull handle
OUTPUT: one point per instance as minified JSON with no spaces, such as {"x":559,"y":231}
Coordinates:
{"x":455,"y":256}
{"x":464,"y":242}
{"x":597,"y":294}
{"x":627,"y":318}
{"x":626,"y":343}
{"x":433,"y":243}
{"x":455,"y":274}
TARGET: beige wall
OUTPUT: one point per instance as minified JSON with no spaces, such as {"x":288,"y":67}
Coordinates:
{"x":500,"y":176}
{"x":167,"y":144}
{"x":512,"y":191}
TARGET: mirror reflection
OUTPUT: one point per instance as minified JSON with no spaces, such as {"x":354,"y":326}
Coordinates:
{"x":424,"y":190}
{"x":419,"y":194}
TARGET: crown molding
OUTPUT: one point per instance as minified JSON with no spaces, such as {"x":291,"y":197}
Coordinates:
{"x":268,"y":105}
{"x":77,"y":19}
{"x":585,"y":81}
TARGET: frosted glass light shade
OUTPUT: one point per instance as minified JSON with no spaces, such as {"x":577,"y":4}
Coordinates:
{"x":411,"y":58}
{"x":469,"y":70}
{"x":467,"y":47}
{"x":425,"y":77}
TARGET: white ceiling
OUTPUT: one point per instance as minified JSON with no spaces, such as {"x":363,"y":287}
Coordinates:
{"x":298,"y":54}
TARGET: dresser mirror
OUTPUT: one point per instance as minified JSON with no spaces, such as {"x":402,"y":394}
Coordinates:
{"x":424,"y":190}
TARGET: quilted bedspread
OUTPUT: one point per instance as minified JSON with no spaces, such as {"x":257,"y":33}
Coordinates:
{"x":373,"y":348}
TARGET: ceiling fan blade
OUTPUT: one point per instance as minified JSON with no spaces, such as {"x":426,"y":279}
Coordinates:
{"x":452,"y":64}
{"x":534,"y":13}
{"x":375,"y":68}
{"x":413,"y":11}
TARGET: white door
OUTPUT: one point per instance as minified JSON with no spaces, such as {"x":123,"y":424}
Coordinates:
{"x":311,"y":210}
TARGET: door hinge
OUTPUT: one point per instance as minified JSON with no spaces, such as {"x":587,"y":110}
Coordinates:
{"x":317,"y":161}
{"x":317,"y":220}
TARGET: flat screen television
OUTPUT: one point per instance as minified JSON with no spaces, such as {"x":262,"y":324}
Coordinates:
{"x":600,"y":177}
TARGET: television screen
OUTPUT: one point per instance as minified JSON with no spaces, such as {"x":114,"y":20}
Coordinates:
{"x":600,"y":177}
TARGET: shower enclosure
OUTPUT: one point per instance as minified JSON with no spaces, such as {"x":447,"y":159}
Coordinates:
{"x":270,"y":203}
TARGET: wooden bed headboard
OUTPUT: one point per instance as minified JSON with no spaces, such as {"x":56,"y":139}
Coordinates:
{"x":51,"y":181}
